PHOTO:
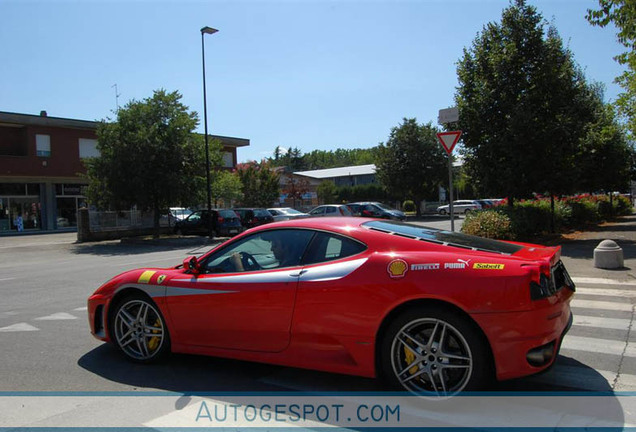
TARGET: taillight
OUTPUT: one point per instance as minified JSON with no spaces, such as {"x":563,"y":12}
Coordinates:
{"x":221,"y":219}
{"x":542,"y":289}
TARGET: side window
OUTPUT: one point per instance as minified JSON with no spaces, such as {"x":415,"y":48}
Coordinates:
{"x":266,"y":250}
{"x":194,"y":217}
{"x":331,"y":210}
{"x":317,"y":211}
{"x":328,"y":247}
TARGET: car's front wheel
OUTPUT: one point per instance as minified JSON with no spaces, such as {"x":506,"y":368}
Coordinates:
{"x":442,"y":212}
{"x":138,"y":329}
{"x":434,"y":352}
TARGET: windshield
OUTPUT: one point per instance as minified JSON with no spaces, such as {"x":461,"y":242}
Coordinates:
{"x":384,"y":207}
{"x":262,"y":213}
{"x":291,"y":211}
{"x":444,"y":237}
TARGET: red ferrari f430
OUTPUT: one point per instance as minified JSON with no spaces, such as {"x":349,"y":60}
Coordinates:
{"x":430,"y":311}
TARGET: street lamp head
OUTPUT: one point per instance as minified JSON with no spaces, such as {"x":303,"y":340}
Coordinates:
{"x":208,"y":30}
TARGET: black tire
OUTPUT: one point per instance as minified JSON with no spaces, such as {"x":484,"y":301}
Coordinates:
{"x":462,"y":346}
{"x":179,"y":231}
{"x":442,"y":212}
{"x":138,"y":329}
{"x":467,"y":211}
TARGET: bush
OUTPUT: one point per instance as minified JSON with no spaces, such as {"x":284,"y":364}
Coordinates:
{"x":408,"y":206}
{"x":492,"y":224}
{"x":623,"y":206}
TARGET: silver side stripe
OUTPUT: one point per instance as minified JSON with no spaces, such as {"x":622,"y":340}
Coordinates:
{"x":330,"y":272}
{"x":312,"y":274}
{"x":170,"y":291}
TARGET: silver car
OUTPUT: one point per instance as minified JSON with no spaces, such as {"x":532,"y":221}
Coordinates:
{"x":460,"y":206}
{"x":286,"y":213}
{"x":331,"y":210}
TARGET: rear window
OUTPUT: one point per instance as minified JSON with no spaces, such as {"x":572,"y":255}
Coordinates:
{"x":227,"y":214}
{"x":443,"y":237}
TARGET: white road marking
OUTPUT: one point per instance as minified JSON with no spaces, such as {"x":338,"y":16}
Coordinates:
{"x":601,"y":322}
{"x":7,"y":279}
{"x":603,"y":346}
{"x":606,"y":292}
{"x":603,"y":281}
{"x":56,"y":317}
{"x":80,"y":309}
{"x":20,"y":327}
{"x":592,"y":304}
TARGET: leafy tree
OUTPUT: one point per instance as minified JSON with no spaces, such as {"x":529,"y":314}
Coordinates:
{"x":295,"y":187}
{"x":524,"y":106}
{"x":604,"y":154}
{"x":226,"y":186}
{"x":260,"y":184}
{"x":622,"y":13}
{"x":412,"y":164}
{"x":322,"y":159}
{"x":327,"y":192}
{"x":149,"y":157}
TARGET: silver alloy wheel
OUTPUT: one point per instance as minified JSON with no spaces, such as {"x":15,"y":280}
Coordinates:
{"x":429,"y":355}
{"x":139,"y":329}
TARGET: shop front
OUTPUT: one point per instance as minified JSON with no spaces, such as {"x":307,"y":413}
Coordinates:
{"x":39,"y":206}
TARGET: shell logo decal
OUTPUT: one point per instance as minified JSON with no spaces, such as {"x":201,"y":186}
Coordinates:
{"x":397,"y":268}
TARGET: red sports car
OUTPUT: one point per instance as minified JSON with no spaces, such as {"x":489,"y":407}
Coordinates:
{"x":430,"y":311}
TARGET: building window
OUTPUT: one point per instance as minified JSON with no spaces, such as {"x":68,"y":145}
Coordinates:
{"x":228,"y":160}
{"x":88,"y":148}
{"x":43,"y":145}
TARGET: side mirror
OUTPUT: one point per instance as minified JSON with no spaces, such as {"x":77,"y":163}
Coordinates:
{"x":191,"y":264}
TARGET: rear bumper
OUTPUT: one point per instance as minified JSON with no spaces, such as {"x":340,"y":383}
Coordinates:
{"x":519,"y":339}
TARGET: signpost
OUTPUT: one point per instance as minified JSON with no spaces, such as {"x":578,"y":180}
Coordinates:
{"x":448,"y":141}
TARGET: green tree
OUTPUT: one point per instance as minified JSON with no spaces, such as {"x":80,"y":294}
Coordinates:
{"x":326,"y":192}
{"x":412,"y":163}
{"x":622,"y":13}
{"x":149,"y":157}
{"x":524,"y":106}
{"x":226,"y":186}
{"x":604,"y":157}
{"x":261,"y":186}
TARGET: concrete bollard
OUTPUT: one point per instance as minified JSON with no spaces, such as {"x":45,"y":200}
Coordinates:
{"x":608,"y":255}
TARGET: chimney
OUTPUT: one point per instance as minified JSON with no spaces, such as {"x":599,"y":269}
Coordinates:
{"x":43,"y":114}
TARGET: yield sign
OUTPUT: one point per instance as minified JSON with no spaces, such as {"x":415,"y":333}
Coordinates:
{"x":449,"y":139}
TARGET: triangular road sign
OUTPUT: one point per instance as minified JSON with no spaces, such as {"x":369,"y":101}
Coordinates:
{"x":449,"y":139}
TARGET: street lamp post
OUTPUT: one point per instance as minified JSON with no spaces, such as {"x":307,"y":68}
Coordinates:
{"x":204,"y":31}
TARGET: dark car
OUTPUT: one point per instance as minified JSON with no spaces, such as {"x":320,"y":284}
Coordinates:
{"x":376,"y":210}
{"x":251,"y":217}
{"x":225,"y":223}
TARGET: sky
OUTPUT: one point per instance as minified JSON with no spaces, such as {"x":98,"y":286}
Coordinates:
{"x":308,"y":74}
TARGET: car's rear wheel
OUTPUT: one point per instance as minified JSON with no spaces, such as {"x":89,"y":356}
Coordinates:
{"x":442,"y":212}
{"x":139,"y":330}
{"x":434,"y":352}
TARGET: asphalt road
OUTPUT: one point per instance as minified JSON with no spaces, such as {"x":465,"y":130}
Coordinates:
{"x":46,"y":345}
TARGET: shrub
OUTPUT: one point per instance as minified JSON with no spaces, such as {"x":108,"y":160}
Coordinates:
{"x":492,"y":224}
{"x":408,"y":206}
{"x":623,"y":206}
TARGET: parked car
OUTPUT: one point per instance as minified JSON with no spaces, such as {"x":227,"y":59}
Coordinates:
{"x":485,"y":204}
{"x":251,"y":217}
{"x":460,"y":206}
{"x":431,"y":311}
{"x":286,"y":213}
{"x":376,"y":210}
{"x":331,"y":210}
{"x":225,"y":223}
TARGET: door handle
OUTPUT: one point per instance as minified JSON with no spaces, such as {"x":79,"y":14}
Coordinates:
{"x":300,"y":273}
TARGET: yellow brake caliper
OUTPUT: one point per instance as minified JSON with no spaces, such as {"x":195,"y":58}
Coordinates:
{"x":409,"y":356}
{"x":153,"y":343}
